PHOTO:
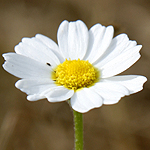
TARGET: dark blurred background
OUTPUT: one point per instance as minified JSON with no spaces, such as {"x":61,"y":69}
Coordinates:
{"x":42,"y":125}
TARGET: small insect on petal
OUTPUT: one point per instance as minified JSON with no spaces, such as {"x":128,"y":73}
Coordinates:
{"x":48,"y":64}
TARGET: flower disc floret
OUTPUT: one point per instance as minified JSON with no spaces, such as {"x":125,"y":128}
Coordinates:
{"x":75,"y":74}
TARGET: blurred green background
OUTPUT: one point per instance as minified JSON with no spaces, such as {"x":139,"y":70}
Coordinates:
{"x":42,"y":125}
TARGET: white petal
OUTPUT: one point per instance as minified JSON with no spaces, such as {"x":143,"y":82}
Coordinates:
{"x":118,"y":51}
{"x":134,"y":83}
{"x":24,"y":67}
{"x":51,"y":44}
{"x":120,"y":63}
{"x":100,"y":38}
{"x":111,"y":92}
{"x":35,"y":86}
{"x":35,"y":49}
{"x":85,"y":100}
{"x":118,"y":45}
{"x":58,"y":94}
{"x":62,"y":37}
{"x":35,"y":97}
{"x":73,"y":39}
{"x":40,"y":88}
{"x":47,"y":41}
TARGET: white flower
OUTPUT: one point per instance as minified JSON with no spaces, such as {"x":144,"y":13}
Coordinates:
{"x":82,"y":67}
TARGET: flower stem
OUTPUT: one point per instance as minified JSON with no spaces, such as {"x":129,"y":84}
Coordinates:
{"x":78,"y":127}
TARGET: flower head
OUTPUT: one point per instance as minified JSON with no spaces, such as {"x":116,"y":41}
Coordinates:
{"x":82,"y":67}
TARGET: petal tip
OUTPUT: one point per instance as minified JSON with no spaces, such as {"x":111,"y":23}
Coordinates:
{"x":144,"y":79}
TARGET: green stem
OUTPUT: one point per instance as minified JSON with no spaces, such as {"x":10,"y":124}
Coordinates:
{"x":78,"y":127}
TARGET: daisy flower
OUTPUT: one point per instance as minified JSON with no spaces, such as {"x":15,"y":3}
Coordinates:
{"x":81,"y":68}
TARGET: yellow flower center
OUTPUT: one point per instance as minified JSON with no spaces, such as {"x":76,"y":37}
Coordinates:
{"x":75,"y":74}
